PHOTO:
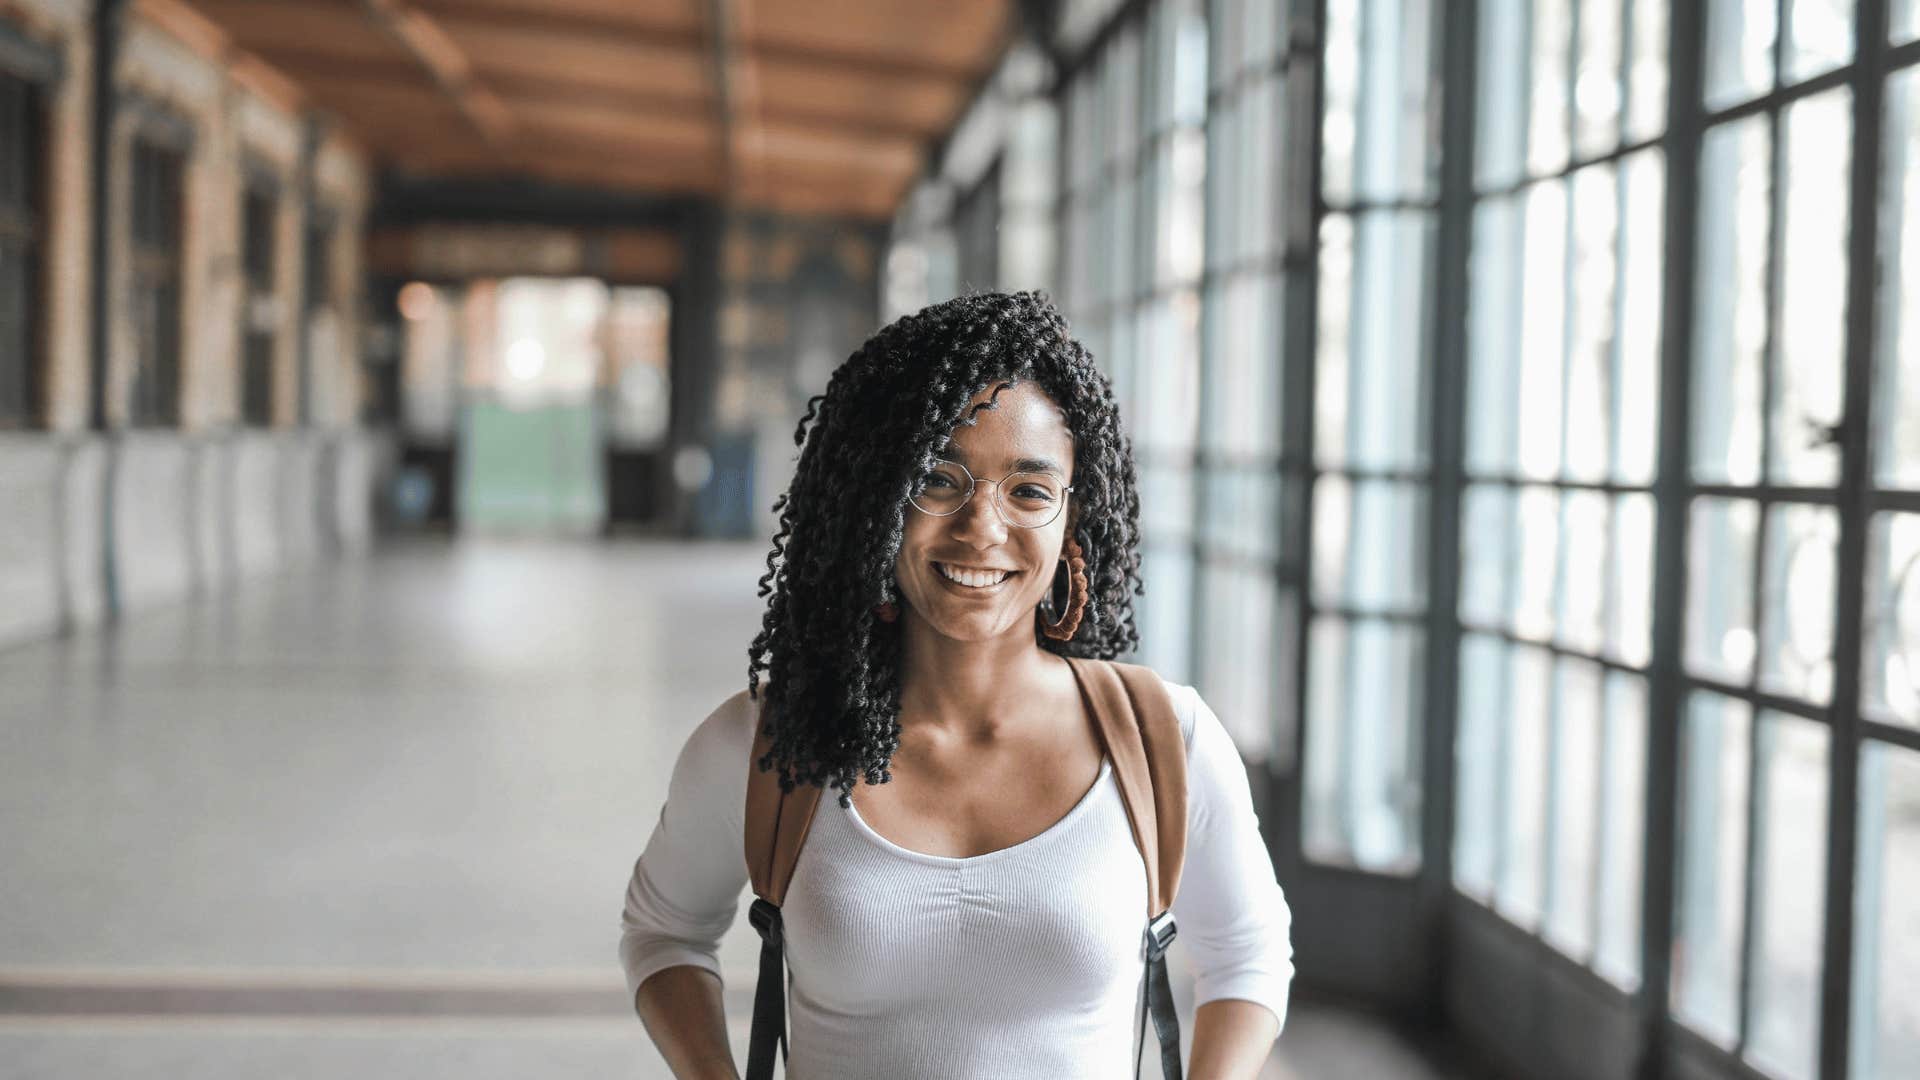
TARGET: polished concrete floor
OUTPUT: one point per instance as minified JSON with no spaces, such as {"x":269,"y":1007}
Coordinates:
{"x":375,"y":819}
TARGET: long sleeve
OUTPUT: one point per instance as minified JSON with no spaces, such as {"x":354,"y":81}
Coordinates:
{"x":686,"y":884}
{"x":1230,"y":910}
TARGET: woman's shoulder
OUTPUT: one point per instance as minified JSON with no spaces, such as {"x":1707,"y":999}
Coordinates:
{"x":719,"y":745}
{"x":1187,"y":705}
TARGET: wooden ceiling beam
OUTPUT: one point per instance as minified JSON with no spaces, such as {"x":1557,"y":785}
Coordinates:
{"x":447,"y":65}
{"x":557,"y":22}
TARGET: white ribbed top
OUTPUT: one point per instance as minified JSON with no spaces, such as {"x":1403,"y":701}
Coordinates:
{"x":1025,"y":962}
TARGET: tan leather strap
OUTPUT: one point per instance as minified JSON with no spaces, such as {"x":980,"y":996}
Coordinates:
{"x":1136,"y":721}
{"x":777,"y":822}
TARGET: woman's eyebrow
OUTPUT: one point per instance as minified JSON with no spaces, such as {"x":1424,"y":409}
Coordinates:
{"x":1025,"y":464}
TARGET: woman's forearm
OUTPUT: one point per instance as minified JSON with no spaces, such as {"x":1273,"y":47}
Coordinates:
{"x":1231,"y":1040}
{"x":681,"y":1009}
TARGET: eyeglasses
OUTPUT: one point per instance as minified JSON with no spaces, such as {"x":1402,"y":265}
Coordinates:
{"x":1027,"y":500}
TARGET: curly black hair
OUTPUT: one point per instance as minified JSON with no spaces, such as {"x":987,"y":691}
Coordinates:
{"x":832,"y":703}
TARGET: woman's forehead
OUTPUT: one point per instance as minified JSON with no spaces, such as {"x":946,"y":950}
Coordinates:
{"x":1006,"y":424}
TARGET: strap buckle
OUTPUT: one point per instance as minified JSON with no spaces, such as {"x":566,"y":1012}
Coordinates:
{"x":1160,"y":933}
{"x":765,"y":917}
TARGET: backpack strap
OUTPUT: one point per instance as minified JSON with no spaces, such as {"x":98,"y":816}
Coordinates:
{"x":777,"y":824}
{"x":1135,"y":716}
{"x":1141,"y":731}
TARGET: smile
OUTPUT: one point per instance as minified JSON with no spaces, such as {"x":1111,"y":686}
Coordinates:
{"x":974,"y":580}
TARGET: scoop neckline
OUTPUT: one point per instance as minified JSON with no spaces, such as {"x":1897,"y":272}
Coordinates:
{"x":1086,"y":799}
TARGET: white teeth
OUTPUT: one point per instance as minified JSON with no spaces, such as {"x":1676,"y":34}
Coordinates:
{"x":976,"y":579}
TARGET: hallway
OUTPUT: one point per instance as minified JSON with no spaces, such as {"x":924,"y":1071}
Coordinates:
{"x":375,"y":819}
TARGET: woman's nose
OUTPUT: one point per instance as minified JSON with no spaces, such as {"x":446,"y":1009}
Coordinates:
{"x":979,"y":522}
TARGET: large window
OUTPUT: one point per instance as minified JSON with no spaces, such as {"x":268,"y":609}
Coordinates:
{"x":1557,"y":513}
{"x":158,"y":173}
{"x":319,"y":323}
{"x":1135,"y":171}
{"x":1638,"y":316}
{"x":1249,"y":569}
{"x":22,"y":246}
{"x":1372,"y":378}
{"x":260,"y":307}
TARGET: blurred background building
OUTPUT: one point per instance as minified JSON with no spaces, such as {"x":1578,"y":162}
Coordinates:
{"x":1526,"y":395}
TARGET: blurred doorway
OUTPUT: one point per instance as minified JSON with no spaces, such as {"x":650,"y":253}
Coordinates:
{"x":550,"y":396}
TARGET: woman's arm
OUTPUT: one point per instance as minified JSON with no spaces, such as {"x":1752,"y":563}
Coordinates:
{"x":1231,"y":1040}
{"x":684,"y":893}
{"x":1233,"y":917}
{"x":680,"y":1007}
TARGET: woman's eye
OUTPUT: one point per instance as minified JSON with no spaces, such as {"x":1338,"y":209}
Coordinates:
{"x":1032,"y":491}
{"x":939,"y":480}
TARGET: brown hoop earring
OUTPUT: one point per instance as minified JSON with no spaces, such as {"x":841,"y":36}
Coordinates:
{"x":887,"y":610}
{"x":1069,"y":621}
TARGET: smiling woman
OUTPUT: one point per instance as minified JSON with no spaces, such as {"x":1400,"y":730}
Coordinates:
{"x":973,"y":906}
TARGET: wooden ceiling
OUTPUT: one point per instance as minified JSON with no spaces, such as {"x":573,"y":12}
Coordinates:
{"x":801,"y":106}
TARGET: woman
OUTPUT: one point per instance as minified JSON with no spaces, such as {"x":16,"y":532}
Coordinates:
{"x":971,"y":908}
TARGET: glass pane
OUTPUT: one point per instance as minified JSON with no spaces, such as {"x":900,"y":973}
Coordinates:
{"x":1713,"y":859}
{"x":1647,"y":70}
{"x":1486,"y":554}
{"x":1385,"y":424}
{"x":1362,"y":804}
{"x":1476,"y":837}
{"x":1332,"y":344}
{"x":1622,"y":824}
{"x":1576,"y":790}
{"x":1583,"y":552}
{"x":1630,"y":581}
{"x":1340,"y":111}
{"x":1493,"y":337}
{"x":1169,"y":382}
{"x":1547,"y":90}
{"x":1500,"y":132}
{"x":1538,"y":509}
{"x":1811,"y":355}
{"x":1636,"y":400}
{"x":1886,"y":947}
{"x":1596,"y":80}
{"x":1739,"y":51}
{"x":1590,"y":356}
{"x":1165,"y":613}
{"x":1242,"y":400}
{"x":1789,"y":900}
{"x":1904,"y":24}
{"x":1392,"y":150}
{"x":1897,"y":393}
{"x":1730,"y":303}
{"x":1890,"y":683}
{"x":1819,"y":37}
{"x":1238,"y":656}
{"x":1369,"y":543}
{"x":1521,"y":887}
{"x":1720,"y":553}
{"x":1797,"y":615}
{"x":1166,"y":500}
{"x":1542,"y":326}
{"x":1243,"y":511}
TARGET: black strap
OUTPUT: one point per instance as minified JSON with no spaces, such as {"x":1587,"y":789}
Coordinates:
{"x":1156,"y":1000}
{"x":770,"y":997}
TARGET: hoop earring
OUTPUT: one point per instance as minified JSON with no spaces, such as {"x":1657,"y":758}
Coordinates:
{"x":1069,"y":621}
{"x":887,"y":611}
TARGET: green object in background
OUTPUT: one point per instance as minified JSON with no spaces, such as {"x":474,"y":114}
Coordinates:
{"x":531,"y":470}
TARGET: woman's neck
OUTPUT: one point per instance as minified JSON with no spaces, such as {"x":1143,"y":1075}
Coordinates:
{"x":972,"y":689}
